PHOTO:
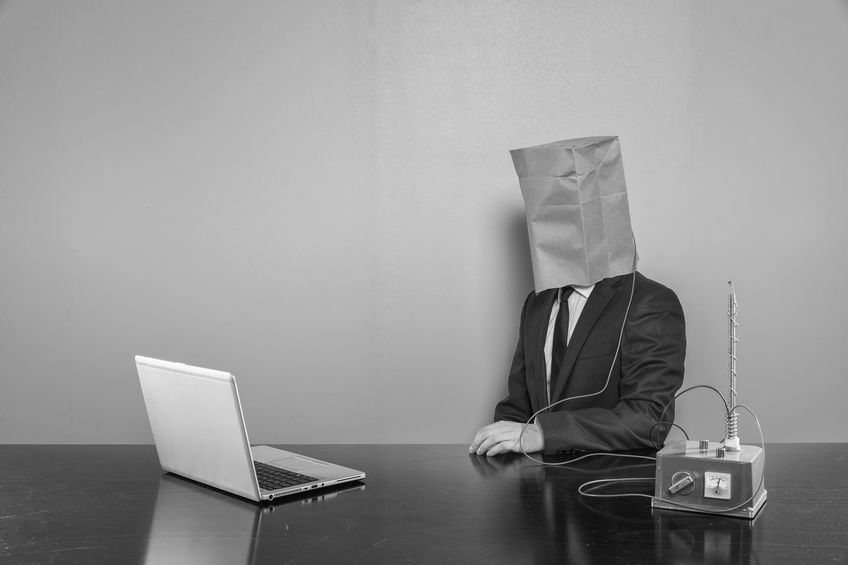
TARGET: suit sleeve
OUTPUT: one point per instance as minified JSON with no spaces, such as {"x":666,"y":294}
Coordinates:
{"x":516,"y":406}
{"x":652,"y":356}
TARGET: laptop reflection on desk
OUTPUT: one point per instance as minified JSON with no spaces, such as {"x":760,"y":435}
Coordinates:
{"x":192,"y":524}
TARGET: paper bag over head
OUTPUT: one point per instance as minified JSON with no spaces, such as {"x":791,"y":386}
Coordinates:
{"x":578,"y":218}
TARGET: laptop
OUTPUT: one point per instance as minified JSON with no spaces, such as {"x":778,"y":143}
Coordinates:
{"x":198,"y":427}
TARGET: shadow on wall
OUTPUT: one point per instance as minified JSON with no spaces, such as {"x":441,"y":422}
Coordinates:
{"x":520,"y":276}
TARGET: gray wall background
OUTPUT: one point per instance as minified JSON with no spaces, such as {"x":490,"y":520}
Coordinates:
{"x":318,"y":196}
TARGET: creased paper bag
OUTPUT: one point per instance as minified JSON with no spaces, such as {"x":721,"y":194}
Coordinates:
{"x":578,"y":218}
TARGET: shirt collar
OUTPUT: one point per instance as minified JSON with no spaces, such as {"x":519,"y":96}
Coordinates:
{"x":583,"y":291}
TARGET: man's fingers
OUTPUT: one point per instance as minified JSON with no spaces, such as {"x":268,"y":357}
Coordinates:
{"x":500,"y":441}
{"x":481,"y":435}
{"x":497,"y":438}
{"x":487,"y":432}
{"x":487,"y":443}
{"x":479,"y":438}
{"x":501,"y":447}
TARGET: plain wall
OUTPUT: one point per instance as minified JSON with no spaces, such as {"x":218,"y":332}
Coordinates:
{"x":318,"y":197}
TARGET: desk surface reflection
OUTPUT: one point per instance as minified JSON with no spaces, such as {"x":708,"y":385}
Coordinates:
{"x":419,"y":504}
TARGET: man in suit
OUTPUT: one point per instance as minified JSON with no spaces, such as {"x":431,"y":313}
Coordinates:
{"x":601,"y":347}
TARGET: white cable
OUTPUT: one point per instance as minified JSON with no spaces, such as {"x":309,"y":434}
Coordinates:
{"x":755,"y":491}
{"x":604,"y":388}
{"x":607,"y":481}
{"x":597,"y":454}
{"x":681,"y":393}
{"x":684,"y":505}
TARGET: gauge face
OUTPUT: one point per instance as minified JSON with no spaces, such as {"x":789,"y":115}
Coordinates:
{"x":717,"y":485}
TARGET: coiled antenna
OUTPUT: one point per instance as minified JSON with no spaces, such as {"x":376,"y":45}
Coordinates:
{"x":731,"y":440}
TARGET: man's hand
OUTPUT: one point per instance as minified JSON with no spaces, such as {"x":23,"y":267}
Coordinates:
{"x":502,"y":437}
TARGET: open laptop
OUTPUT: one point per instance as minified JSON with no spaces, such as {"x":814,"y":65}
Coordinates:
{"x":197,"y":423}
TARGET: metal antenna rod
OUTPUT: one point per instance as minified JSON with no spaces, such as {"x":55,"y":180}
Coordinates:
{"x":731,"y":441}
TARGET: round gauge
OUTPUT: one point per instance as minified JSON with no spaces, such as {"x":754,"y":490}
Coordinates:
{"x":717,"y":485}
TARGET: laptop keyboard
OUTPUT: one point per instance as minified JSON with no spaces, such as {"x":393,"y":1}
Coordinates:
{"x":274,"y":478}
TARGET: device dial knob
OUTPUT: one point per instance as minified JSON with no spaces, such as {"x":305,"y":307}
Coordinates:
{"x":682,"y":483}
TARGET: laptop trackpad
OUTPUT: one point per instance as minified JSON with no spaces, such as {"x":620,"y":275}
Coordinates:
{"x":288,"y":460}
{"x":298,"y":463}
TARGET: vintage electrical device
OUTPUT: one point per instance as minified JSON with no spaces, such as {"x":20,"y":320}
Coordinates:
{"x":714,"y":477}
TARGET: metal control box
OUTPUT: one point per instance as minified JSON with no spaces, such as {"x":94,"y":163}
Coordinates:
{"x":705,"y":477}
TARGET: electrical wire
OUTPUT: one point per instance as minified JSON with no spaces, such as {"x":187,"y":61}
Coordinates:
{"x":660,"y":423}
{"x":755,"y":492}
{"x":569,"y":462}
{"x":606,"y":383}
{"x":678,"y":395}
{"x":683,"y":505}
{"x":600,"y":482}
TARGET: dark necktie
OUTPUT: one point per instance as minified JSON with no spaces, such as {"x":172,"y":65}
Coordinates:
{"x":560,"y":337}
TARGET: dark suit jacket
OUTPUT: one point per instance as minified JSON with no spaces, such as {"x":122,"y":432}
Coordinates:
{"x":645,"y":375}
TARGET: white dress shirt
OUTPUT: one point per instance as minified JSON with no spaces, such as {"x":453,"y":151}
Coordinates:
{"x":576,"y":302}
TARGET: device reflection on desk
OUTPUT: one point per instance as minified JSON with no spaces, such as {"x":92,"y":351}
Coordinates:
{"x":713,"y":539}
{"x":194,"y":524}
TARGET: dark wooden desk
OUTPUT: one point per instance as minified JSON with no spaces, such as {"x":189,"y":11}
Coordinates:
{"x":419,"y":504}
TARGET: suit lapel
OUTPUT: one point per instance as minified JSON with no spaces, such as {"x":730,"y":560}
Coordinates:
{"x":595,"y":306}
{"x":539,"y":381}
